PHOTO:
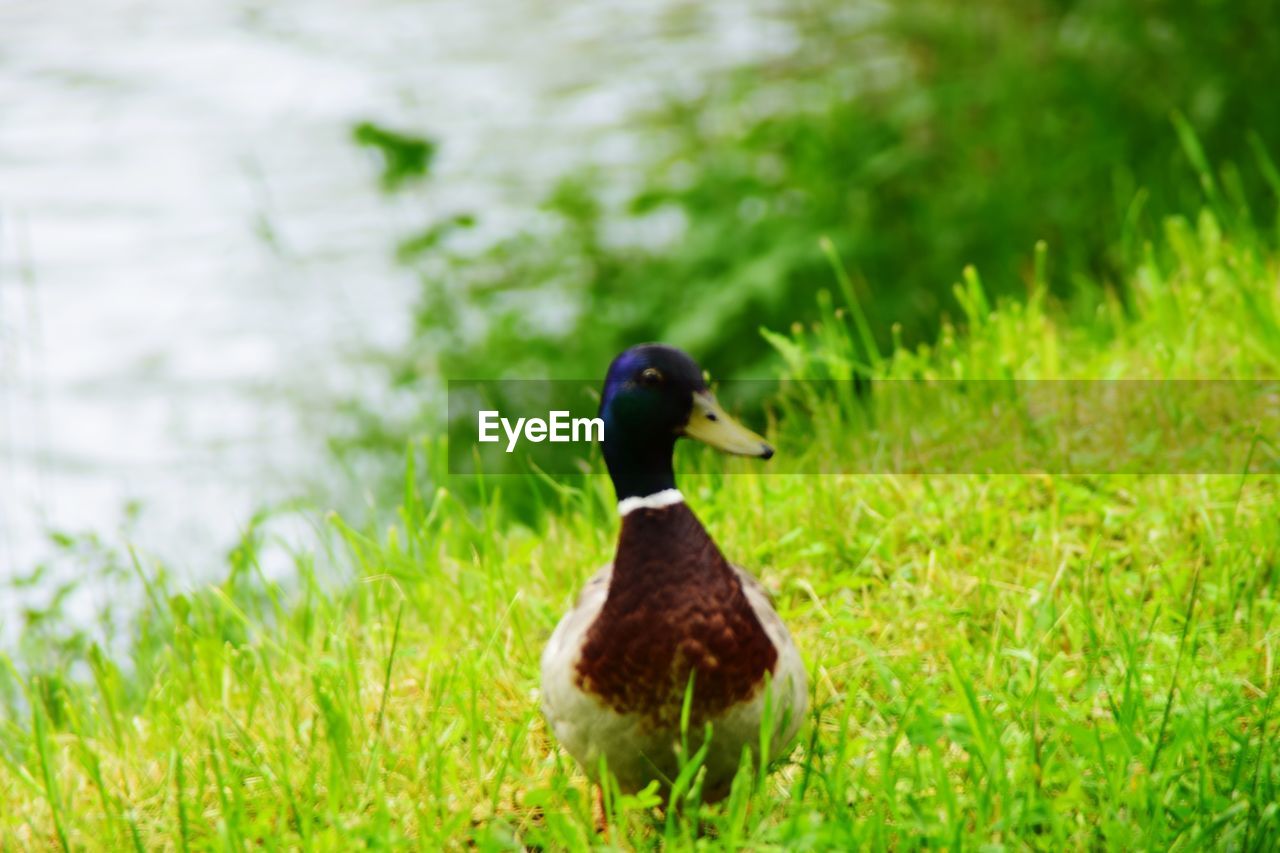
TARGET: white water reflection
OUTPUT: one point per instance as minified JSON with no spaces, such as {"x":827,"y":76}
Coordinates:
{"x":190,"y":246}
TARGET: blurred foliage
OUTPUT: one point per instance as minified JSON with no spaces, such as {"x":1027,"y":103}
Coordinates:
{"x":405,"y":157}
{"x":938,"y":135}
{"x":916,"y":139}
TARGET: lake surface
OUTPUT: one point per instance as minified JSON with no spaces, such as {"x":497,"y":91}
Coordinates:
{"x":193,"y":253}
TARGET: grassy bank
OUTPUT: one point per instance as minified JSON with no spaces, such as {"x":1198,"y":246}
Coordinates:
{"x":1033,"y":661}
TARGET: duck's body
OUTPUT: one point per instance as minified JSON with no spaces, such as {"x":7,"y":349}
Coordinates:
{"x":615,"y":671}
{"x":669,"y":610}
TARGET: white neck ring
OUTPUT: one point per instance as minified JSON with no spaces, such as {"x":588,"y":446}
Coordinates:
{"x":657,"y":500}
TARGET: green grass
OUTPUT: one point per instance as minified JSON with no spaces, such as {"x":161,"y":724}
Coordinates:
{"x":1031,"y":661}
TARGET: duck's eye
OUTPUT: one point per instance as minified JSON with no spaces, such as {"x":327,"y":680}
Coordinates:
{"x":651,"y":376}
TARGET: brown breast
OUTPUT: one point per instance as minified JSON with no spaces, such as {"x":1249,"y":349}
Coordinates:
{"x":675,"y":607}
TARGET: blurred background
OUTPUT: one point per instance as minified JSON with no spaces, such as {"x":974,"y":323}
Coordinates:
{"x":241,"y":243}
{"x":199,"y":213}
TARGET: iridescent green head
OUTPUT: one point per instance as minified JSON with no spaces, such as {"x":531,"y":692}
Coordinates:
{"x":653,"y":395}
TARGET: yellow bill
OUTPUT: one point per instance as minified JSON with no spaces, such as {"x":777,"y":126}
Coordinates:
{"x":710,"y":423}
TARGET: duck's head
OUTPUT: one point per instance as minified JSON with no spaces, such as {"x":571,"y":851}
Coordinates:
{"x":653,"y":395}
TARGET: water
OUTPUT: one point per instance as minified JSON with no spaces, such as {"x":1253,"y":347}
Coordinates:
{"x":192,"y":250}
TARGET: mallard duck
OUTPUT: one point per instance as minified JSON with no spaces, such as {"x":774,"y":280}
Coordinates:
{"x":669,"y":609}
